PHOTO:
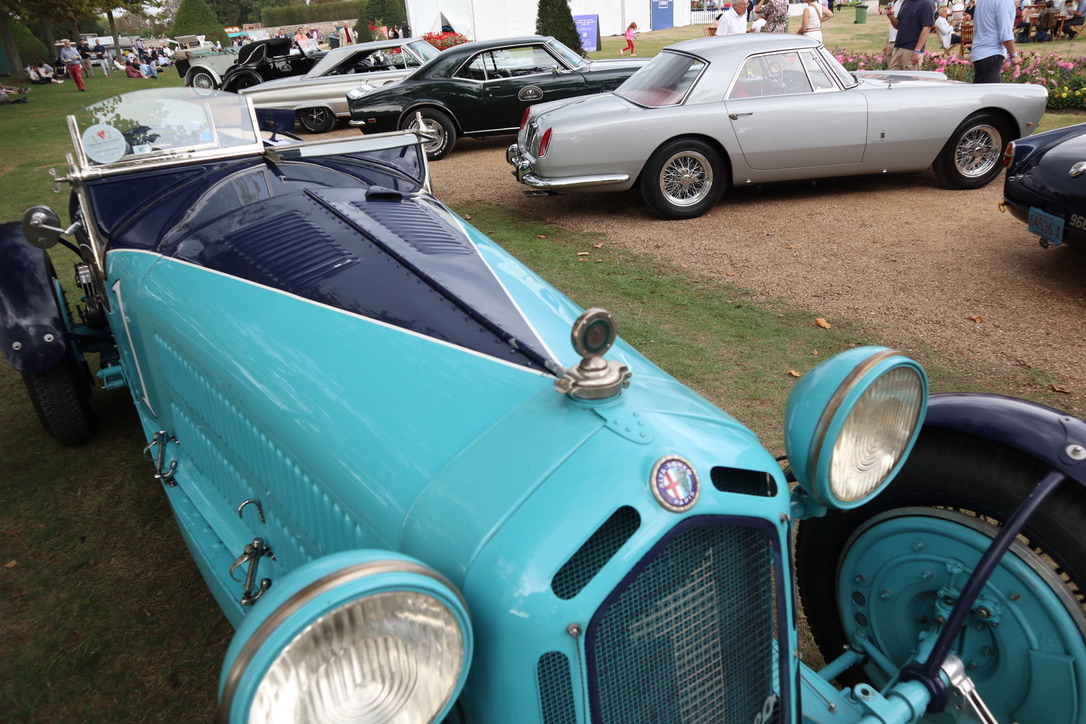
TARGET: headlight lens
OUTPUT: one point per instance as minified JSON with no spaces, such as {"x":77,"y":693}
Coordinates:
{"x":851,"y":422}
{"x":357,"y":636}
{"x":876,"y":434}
{"x":393,"y":657}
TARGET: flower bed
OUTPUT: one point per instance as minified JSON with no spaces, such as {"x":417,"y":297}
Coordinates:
{"x":1065,"y":79}
{"x":444,"y":41}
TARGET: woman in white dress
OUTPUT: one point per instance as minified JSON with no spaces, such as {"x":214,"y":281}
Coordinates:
{"x":813,"y":15}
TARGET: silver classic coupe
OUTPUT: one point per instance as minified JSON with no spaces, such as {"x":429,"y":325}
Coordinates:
{"x":320,"y":96}
{"x":711,"y":113}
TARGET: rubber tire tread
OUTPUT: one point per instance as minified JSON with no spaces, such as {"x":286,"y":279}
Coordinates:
{"x":327,"y":125}
{"x":446,"y":124}
{"x":64,"y":402}
{"x":944,"y":167}
{"x":947,"y":469}
{"x":650,"y":180}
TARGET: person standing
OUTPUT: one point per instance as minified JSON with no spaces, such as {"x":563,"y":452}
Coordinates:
{"x":733,"y":21}
{"x":102,"y":57}
{"x":775,"y":14}
{"x":74,"y":63}
{"x":913,"y":23}
{"x":810,"y":26}
{"x":993,"y":40}
{"x":631,"y":33}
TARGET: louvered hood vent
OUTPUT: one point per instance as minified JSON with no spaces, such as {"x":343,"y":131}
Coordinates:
{"x":389,"y":256}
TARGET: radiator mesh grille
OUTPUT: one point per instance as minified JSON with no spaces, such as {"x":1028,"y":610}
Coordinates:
{"x":556,"y":689}
{"x":687,"y":637}
{"x":594,"y":554}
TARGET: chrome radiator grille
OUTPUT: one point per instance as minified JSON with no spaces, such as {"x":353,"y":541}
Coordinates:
{"x":688,"y":636}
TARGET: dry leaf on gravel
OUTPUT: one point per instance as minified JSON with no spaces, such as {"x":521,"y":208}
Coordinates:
{"x":821,"y":322}
{"x":976,"y":319}
{"x":793,"y":373}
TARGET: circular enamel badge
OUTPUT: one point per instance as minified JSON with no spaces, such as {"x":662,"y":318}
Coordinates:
{"x":675,"y":484}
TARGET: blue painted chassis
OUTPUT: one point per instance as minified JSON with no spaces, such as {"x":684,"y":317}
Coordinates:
{"x":325,"y":399}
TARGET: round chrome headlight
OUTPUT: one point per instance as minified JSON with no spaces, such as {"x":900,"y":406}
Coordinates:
{"x":378,"y":640}
{"x":851,"y":422}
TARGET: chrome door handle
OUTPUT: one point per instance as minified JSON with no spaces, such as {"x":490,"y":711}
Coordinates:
{"x":735,"y":116}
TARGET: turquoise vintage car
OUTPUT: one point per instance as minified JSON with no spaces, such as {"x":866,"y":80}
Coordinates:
{"x":424,"y":486}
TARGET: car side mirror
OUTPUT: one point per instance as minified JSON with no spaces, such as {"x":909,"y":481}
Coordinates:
{"x":41,"y":227}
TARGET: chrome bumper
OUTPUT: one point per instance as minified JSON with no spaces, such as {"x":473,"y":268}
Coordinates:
{"x":524,"y":171}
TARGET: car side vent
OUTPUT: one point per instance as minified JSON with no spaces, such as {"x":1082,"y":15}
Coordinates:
{"x":594,"y":554}
{"x":419,"y":229}
{"x":556,"y":689}
{"x":743,"y":482}
{"x":290,"y":251}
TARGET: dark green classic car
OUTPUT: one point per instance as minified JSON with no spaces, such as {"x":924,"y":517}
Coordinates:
{"x":482,"y":89}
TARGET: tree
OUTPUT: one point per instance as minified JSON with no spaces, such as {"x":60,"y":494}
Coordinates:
{"x":382,"y":12}
{"x":555,"y":18}
{"x":195,"y":17}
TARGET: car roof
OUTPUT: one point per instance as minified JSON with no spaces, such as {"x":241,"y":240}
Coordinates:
{"x":736,"y":47}
{"x":332,"y":57}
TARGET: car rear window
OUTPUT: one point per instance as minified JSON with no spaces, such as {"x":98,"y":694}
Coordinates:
{"x":664,"y":81}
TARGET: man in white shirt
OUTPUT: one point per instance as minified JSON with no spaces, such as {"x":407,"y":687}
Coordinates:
{"x":734,"y":20}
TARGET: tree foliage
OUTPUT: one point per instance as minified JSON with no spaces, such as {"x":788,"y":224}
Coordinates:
{"x":195,"y":17}
{"x":31,"y":49}
{"x":555,"y":18}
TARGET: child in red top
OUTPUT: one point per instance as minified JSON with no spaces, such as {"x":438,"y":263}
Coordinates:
{"x":631,"y":33}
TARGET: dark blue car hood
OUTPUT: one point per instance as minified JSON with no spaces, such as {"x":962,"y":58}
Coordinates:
{"x":320,"y":232}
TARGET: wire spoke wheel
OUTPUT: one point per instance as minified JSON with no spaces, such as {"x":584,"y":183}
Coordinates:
{"x":683,"y":179}
{"x":971,"y":156}
{"x":686,"y":178}
{"x":978,"y":151}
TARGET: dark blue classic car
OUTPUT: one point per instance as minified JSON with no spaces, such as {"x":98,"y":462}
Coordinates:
{"x":482,"y":89}
{"x":1045,"y":185}
{"x":425,"y":486}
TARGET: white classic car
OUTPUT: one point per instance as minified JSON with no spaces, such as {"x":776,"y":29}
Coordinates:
{"x":320,"y":96}
{"x":714,"y":112}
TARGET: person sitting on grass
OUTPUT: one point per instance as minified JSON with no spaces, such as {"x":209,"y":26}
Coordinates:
{"x":11,"y":94}
{"x":132,"y":70}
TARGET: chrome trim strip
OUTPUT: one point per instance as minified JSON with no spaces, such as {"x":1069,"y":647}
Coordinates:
{"x":530,"y":179}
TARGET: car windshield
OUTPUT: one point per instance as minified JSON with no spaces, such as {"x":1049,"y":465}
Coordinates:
{"x":568,"y":56}
{"x":847,"y":79}
{"x":163,"y":124}
{"x":664,"y":81}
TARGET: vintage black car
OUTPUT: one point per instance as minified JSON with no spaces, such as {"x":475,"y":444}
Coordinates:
{"x":482,"y":89}
{"x":270,"y":59}
{"x":1045,"y":185}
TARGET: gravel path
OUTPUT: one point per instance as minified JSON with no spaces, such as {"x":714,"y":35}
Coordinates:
{"x":926,"y":266}
{"x":922,"y":265}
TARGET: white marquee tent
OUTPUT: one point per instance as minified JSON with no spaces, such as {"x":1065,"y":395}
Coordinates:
{"x":487,"y":19}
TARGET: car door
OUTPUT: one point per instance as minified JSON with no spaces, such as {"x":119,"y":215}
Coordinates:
{"x":788,"y":113}
{"x":518,"y":77}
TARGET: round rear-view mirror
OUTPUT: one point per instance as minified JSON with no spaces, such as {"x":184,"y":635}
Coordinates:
{"x":41,"y":227}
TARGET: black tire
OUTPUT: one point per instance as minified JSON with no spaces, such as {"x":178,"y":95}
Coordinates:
{"x":973,"y":154}
{"x":438,"y":126}
{"x":966,"y":485}
{"x":240,"y":81}
{"x":683,"y":179}
{"x":201,"y":79}
{"x":64,"y":401}
{"x":317,"y":119}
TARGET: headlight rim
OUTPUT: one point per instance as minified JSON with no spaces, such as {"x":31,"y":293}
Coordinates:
{"x":234,"y":679}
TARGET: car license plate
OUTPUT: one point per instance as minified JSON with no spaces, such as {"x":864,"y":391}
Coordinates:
{"x":1046,"y":226}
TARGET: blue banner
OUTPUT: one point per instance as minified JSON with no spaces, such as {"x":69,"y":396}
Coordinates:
{"x":589,"y":28}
